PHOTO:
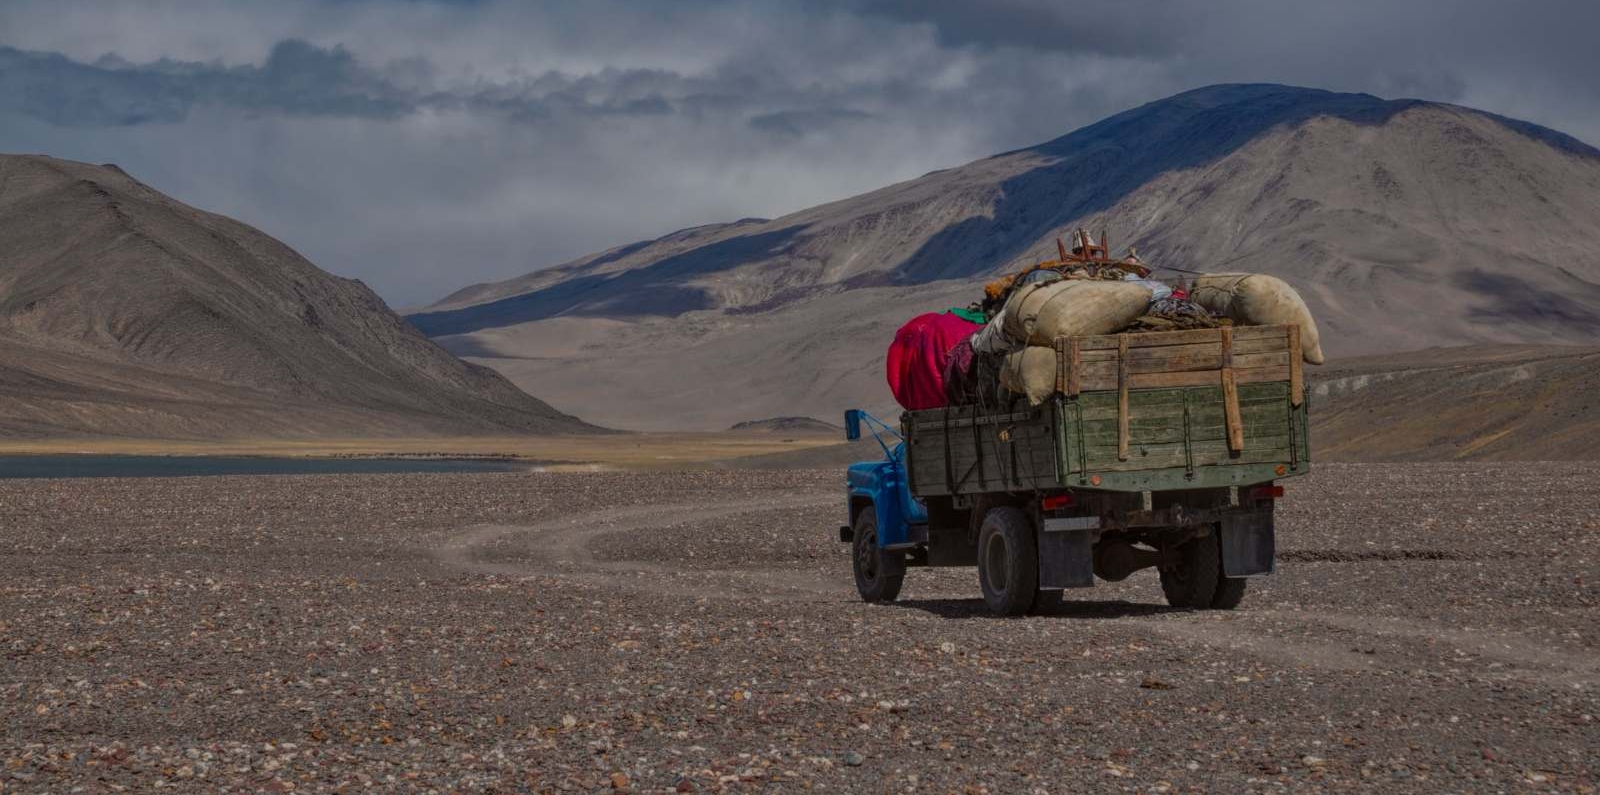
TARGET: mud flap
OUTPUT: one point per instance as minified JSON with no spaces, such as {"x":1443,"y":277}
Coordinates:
{"x":1066,"y":554}
{"x":1248,"y":544}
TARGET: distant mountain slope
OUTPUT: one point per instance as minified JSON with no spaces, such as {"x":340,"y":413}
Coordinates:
{"x":125,"y":312}
{"x":793,"y":425}
{"x":610,"y":261}
{"x":1406,"y":224}
{"x":1491,"y":403}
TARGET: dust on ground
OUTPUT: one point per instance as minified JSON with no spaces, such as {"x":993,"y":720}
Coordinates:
{"x":1430,"y":627}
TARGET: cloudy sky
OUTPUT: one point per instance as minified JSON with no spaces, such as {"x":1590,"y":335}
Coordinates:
{"x":422,"y":145}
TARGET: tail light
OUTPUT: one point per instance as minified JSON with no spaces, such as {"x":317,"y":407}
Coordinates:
{"x":1057,"y":502}
{"x":1265,"y":493}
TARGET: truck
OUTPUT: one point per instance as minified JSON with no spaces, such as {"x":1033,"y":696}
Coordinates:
{"x":1160,"y":450}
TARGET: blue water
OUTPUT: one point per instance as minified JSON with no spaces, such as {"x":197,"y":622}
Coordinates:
{"x":160,"y":466}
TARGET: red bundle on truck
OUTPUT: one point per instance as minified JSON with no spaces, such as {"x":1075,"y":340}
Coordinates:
{"x":919,"y":355}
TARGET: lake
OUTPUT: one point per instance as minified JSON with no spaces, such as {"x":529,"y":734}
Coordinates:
{"x":162,"y":466}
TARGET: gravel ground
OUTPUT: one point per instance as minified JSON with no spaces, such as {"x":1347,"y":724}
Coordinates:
{"x":1431,"y":628}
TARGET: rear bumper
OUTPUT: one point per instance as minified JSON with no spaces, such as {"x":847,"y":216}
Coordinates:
{"x":1073,"y":551}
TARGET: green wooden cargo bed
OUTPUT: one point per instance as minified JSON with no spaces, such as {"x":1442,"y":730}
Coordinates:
{"x":1147,"y":412}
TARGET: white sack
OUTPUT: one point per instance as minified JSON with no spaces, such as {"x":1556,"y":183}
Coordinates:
{"x":1256,"y":299}
{"x":1037,"y":314}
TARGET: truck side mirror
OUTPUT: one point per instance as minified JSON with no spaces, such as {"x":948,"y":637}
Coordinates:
{"x":852,"y":424}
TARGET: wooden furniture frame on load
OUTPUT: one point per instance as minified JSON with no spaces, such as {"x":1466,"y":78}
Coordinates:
{"x":1225,"y":357}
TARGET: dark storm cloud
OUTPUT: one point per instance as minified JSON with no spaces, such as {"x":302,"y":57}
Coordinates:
{"x":1394,"y":31}
{"x":1110,"y":27}
{"x":297,"y":79}
{"x":421,"y":145}
{"x":1535,"y":59}
{"x":795,"y":123}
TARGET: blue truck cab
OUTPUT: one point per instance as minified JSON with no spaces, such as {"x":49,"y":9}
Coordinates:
{"x":883,"y":521}
{"x":882,"y":486}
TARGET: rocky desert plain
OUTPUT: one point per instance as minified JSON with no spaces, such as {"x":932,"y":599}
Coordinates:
{"x":1430,"y":628}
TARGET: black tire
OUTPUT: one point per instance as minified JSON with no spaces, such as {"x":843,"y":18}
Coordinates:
{"x":1049,"y":603}
{"x":871,"y":582}
{"x":1230,"y":592}
{"x":1192,"y":581}
{"x":1008,"y":561}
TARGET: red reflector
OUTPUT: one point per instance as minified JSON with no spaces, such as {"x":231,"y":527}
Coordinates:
{"x":1266,"y":492}
{"x":1057,"y":502}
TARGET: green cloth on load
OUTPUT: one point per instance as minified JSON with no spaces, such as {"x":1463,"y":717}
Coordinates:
{"x":969,"y":315}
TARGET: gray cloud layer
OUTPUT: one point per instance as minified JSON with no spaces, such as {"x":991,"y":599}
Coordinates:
{"x":424,"y":145}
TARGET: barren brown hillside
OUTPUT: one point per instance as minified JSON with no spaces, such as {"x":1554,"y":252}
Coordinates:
{"x":126,"y":313}
{"x":1495,"y":403}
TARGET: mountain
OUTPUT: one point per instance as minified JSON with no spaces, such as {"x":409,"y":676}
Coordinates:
{"x":124,"y":312}
{"x":1406,"y":225}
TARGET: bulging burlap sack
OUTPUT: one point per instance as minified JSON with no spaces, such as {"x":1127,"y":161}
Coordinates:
{"x":1031,"y":372}
{"x":1039,"y":313}
{"x":1256,"y":299}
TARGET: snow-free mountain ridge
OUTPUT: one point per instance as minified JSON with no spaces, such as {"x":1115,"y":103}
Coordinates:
{"x":126,"y":313}
{"x":1406,"y":224}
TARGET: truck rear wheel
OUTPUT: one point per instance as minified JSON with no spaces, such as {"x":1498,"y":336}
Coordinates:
{"x":871,"y":582}
{"x":1196,"y":581}
{"x":1230,"y":592}
{"x":1049,"y":603}
{"x":1191,"y":580}
{"x":1008,"y":561}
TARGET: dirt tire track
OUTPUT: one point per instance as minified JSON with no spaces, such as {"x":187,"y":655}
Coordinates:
{"x":563,"y":546}
{"x":1290,"y":637}
{"x":1396,"y":555}
{"x":1530,"y":656}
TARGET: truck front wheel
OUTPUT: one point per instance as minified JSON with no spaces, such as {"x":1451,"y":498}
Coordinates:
{"x":871,"y":582}
{"x":1008,"y":561}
